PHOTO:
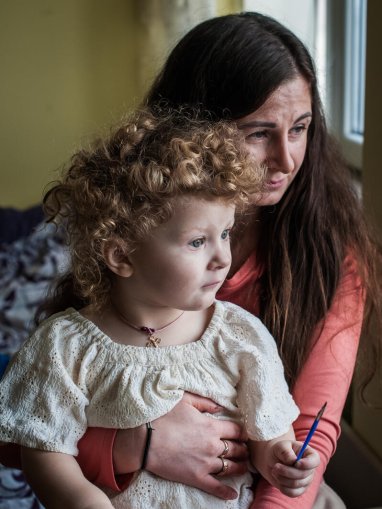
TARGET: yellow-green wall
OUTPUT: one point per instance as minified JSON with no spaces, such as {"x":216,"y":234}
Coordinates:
{"x":69,"y":68}
{"x":66,"y":68}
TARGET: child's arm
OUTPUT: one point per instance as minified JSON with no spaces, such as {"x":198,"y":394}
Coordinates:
{"x":275,"y":462}
{"x":59,"y":483}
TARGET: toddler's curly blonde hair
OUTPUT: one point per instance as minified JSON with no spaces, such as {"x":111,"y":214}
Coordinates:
{"x":122,"y":187}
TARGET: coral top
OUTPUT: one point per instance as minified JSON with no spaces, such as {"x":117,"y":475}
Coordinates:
{"x":326,"y":376}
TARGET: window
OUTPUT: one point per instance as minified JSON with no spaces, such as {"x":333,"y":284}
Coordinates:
{"x":346,"y":65}
{"x":355,"y":66}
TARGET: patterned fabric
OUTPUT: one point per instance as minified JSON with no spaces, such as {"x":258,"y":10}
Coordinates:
{"x":15,"y":492}
{"x":27,"y":268}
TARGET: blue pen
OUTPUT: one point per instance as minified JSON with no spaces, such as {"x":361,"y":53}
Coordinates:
{"x":310,"y":434}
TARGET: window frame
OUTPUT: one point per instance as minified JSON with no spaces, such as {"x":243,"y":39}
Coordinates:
{"x":340,"y":73}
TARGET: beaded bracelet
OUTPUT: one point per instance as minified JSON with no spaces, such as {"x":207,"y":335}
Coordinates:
{"x":147,"y":445}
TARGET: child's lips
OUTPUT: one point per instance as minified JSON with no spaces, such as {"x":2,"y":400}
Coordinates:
{"x":210,"y":285}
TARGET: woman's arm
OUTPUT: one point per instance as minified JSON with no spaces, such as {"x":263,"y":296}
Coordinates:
{"x":326,"y":376}
{"x":95,"y":457}
{"x":185,"y":446}
{"x":59,"y":483}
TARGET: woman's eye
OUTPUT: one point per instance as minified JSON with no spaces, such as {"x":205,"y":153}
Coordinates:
{"x":257,"y":135}
{"x":298,"y":129}
{"x":197,"y":242}
{"x":225,"y":234}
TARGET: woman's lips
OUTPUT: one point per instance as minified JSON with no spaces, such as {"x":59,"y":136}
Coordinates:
{"x":275,"y":184}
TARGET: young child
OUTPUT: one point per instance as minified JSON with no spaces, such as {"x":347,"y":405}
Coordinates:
{"x":148,"y":213}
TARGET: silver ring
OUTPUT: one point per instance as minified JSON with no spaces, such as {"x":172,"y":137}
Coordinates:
{"x":226,"y":449}
{"x":224,"y":467}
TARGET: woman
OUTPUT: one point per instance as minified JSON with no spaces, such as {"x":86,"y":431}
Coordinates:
{"x":303,"y":263}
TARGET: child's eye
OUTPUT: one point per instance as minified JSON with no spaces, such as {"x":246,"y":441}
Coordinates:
{"x":225,"y":234}
{"x":197,"y":242}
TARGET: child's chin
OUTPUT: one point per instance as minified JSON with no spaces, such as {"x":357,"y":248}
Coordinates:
{"x":203,"y":304}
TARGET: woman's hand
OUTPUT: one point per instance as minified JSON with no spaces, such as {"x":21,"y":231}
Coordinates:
{"x":185,"y":447}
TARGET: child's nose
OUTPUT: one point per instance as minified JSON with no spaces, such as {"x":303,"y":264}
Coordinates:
{"x":221,"y":259}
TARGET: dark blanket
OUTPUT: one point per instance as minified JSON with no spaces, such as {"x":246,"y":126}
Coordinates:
{"x":16,"y":224}
{"x":32,"y":255}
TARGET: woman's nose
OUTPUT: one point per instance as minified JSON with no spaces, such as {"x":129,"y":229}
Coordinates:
{"x":280,"y":157}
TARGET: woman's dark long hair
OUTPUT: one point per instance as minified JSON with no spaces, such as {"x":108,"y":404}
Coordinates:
{"x":229,"y":66}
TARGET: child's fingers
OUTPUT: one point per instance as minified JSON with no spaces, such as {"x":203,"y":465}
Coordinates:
{"x":287,"y":476}
{"x":293,"y":478}
{"x":292,"y":492}
{"x":285,"y":472}
{"x":291,"y":481}
{"x":283,"y":452}
{"x":311,"y":459}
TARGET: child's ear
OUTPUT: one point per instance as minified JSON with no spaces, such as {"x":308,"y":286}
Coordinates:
{"x":116,"y":259}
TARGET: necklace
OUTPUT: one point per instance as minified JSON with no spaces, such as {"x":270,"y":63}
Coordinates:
{"x":152,"y":340}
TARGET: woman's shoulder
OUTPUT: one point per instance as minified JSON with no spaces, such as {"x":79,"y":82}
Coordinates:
{"x":351,"y":279}
{"x":351,"y":266}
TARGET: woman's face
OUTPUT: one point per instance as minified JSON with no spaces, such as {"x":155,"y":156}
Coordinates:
{"x":276,"y":134}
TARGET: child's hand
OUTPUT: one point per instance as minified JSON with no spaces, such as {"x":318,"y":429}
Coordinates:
{"x":290,"y":479}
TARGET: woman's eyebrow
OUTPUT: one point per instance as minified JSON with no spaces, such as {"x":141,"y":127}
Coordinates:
{"x":263,"y":123}
{"x":256,"y":123}
{"x":308,"y":114}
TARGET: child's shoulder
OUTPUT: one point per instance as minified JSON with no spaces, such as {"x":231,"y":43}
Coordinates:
{"x":55,"y":340}
{"x":62,"y":328}
{"x":237,"y":315}
{"x":58,"y":321}
{"x":243,"y":325}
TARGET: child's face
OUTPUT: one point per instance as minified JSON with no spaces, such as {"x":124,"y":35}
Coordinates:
{"x":187,"y":259}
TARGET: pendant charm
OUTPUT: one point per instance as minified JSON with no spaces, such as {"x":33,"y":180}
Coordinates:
{"x":153,"y":341}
